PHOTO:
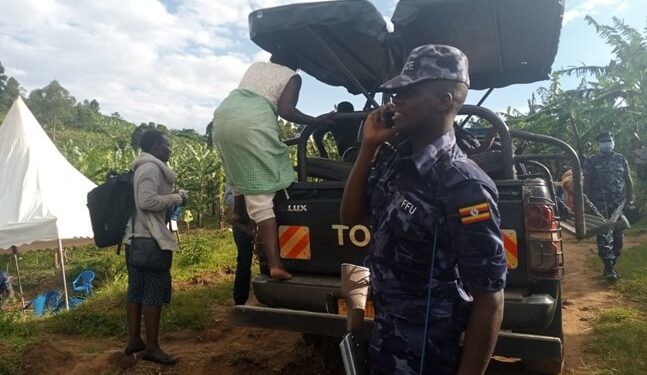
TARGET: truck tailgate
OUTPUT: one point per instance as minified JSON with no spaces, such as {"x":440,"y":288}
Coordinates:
{"x":311,"y":237}
{"x":313,"y":241}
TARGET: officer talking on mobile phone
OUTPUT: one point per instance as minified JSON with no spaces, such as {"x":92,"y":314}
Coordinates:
{"x":436,"y":259}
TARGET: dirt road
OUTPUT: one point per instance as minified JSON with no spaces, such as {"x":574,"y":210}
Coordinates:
{"x":585,"y":293}
{"x":226,"y":349}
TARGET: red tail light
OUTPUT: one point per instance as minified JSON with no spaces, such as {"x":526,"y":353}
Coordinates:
{"x":544,"y":242}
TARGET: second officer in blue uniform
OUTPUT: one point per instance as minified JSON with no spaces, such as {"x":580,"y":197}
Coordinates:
{"x":608,"y":183}
{"x":433,"y":211}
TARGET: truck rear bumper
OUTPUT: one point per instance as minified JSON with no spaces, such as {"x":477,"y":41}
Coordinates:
{"x":317,"y":294}
{"x":533,"y":312}
{"x":316,"y":323}
{"x":509,"y":344}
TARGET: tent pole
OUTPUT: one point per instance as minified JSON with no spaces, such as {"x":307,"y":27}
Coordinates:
{"x":14,"y":250}
{"x":60,"y":253}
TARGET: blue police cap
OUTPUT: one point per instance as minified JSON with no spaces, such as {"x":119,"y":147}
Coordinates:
{"x":428,"y":62}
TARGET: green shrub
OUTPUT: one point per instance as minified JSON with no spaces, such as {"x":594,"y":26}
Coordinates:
{"x":195,"y":250}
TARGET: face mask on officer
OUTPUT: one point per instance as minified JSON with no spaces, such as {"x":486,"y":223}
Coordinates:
{"x":606,"y":146}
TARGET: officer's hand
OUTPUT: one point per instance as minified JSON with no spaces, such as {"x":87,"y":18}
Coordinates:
{"x":376,"y":130}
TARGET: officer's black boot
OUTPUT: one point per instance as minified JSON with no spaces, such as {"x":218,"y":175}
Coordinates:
{"x":615,"y":260}
{"x":609,"y":273}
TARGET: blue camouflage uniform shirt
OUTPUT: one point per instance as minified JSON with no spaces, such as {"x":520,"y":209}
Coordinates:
{"x":5,"y":284}
{"x":605,"y":176}
{"x":410,"y":196}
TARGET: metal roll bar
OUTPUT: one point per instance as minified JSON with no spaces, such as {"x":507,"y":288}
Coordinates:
{"x":302,"y":145}
{"x":468,"y":109}
{"x":567,"y":154}
{"x":502,"y":130}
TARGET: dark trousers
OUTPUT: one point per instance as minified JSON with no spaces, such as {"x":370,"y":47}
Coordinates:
{"x":610,"y":244}
{"x":245,"y":249}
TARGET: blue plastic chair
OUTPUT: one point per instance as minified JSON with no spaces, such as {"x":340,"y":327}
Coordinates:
{"x":47,"y":301}
{"x":74,"y":302}
{"x":83,"y":282}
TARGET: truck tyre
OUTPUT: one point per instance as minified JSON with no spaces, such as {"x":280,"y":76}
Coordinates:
{"x":326,"y":349}
{"x":550,"y":366}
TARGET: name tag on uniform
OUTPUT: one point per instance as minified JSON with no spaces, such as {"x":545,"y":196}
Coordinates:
{"x":408,"y":207}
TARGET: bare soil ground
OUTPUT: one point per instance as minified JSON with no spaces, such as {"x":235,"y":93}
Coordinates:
{"x":227,"y":349}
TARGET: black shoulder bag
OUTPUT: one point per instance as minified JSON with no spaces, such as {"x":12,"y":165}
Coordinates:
{"x":144,"y":253}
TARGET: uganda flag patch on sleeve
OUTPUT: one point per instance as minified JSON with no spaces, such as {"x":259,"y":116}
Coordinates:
{"x":475,"y":214}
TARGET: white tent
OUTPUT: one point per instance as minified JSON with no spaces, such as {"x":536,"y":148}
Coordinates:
{"x":42,"y":196}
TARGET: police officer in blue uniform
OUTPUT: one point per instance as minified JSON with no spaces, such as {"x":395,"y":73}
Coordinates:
{"x":437,"y":262}
{"x":608,"y":184}
{"x":6,"y":289}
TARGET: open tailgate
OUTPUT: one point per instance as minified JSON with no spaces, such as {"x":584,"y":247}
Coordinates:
{"x":353,"y":30}
{"x":506,"y":41}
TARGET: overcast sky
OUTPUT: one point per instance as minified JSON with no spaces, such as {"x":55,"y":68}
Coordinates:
{"x":172,"y":61}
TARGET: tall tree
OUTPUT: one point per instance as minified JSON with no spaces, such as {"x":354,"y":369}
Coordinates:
{"x":3,"y":78}
{"x":620,"y":86}
{"x":9,"y":90}
{"x":94,"y":105}
{"x":52,"y":106}
{"x":12,"y":90}
{"x":611,"y":97}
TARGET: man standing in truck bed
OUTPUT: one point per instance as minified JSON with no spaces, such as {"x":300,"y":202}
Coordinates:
{"x":431,"y":209}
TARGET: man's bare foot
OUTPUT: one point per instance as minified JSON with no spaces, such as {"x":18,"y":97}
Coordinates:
{"x":280,"y":274}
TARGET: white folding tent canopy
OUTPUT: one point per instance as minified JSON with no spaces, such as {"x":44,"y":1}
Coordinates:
{"x":42,"y":196}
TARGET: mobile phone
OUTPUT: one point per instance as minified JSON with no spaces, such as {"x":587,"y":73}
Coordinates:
{"x":388,"y":117}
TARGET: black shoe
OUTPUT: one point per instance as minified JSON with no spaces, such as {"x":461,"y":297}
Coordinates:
{"x":158,"y":357}
{"x":612,"y":278}
{"x":609,"y":273}
{"x":134,"y":349}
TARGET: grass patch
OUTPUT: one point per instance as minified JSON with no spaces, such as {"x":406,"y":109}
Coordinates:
{"x":204,"y":252}
{"x":632,"y":266}
{"x":619,"y":333}
{"x":621,"y":347}
{"x":617,"y":315}
{"x":202,"y":277}
{"x":17,"y":332}
{"x":639,"y":227}
{"x":86,"y":321}
{"x":193,"y":308}
{"x":11,"y":355}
